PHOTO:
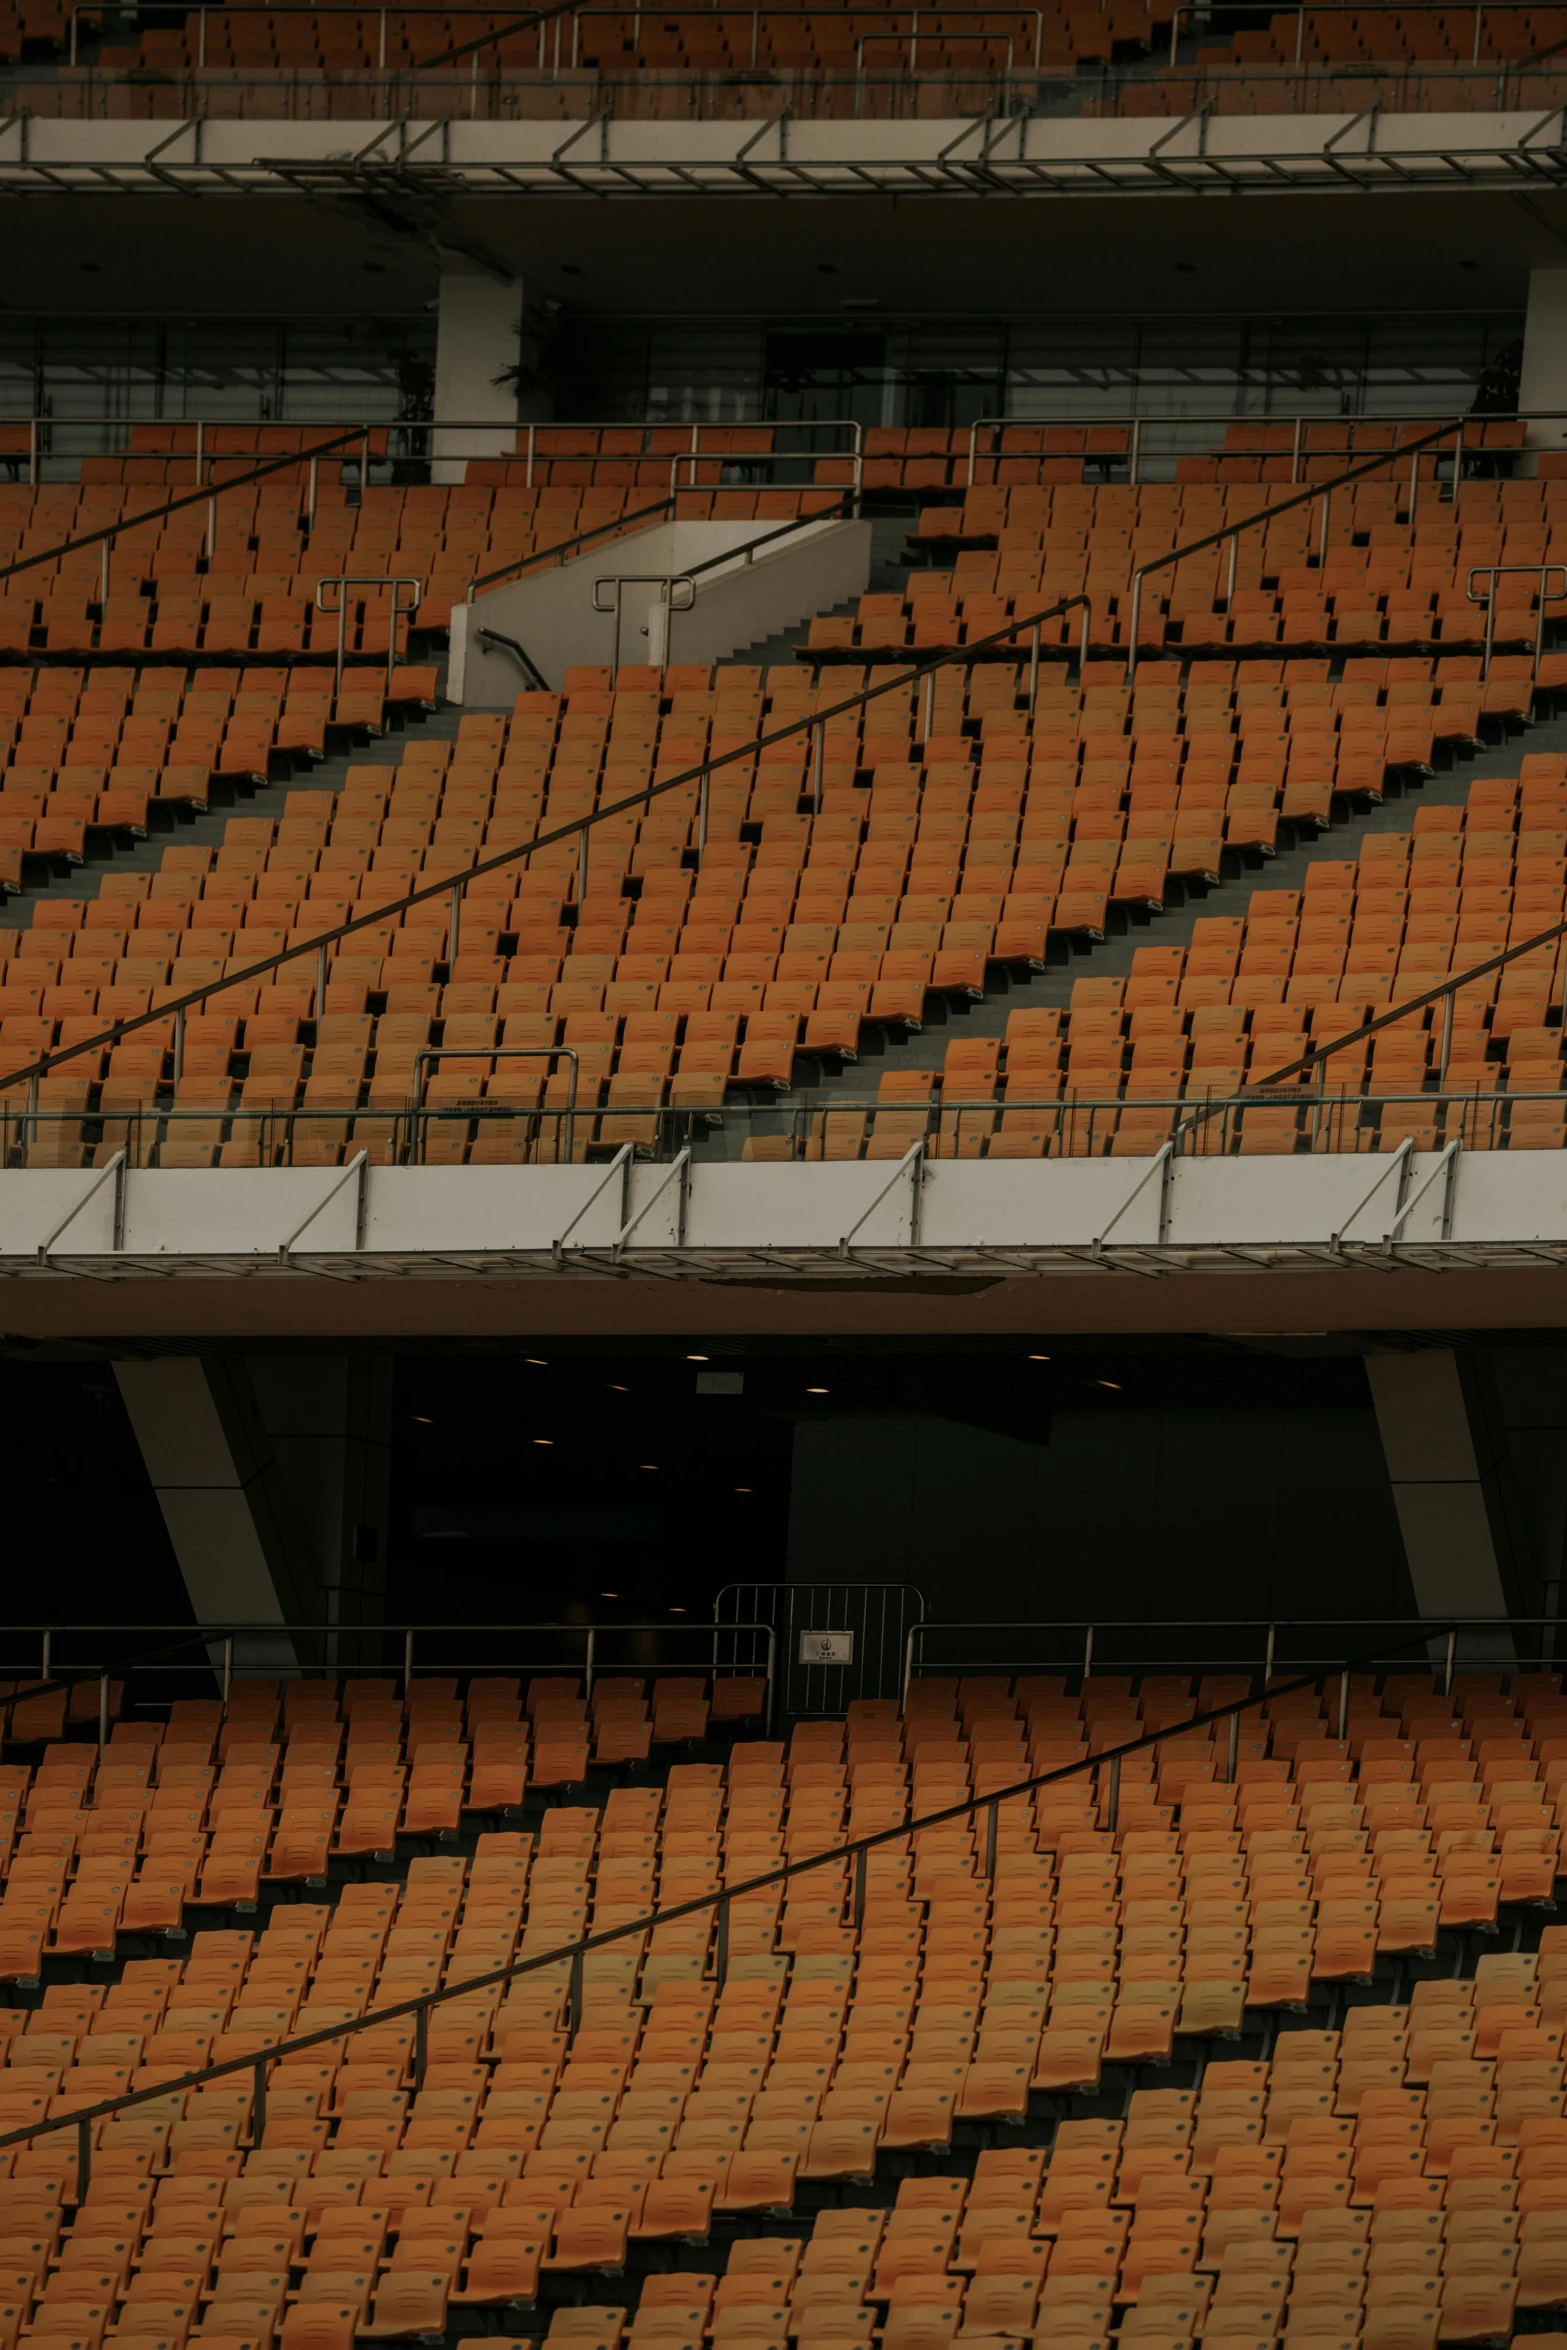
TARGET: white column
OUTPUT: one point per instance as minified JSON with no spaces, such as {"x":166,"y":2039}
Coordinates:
{"x":477,"y":336}
{"x":1542,"y":381}
{"x":1439,"y":1485}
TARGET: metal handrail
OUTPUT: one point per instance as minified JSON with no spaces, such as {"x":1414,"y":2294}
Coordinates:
{"x":398,"y":610}
{"x":501,"y":1052}
{"x":1272,"y":1625}
{"x":527,"y":438}
{"x":1496,"y":571}
{"x":573,"y":1953}
{"x":1266,"y":514}
{"x":1137,"y":422}
{"x":688,"y":575}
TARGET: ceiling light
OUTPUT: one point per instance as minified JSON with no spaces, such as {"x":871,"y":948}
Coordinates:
{"x":1039,"y":1358}
{"x":609,"y":1595}
{"x":544,"y":1440}
{"x":421,"y":1421}
{"x":647,"y":1464}
{"x":538,"y":1362}
{"x":743,"y":1489}
{"x":699,"y":1358}
{"x":677,"y":1611}
{"x":615,"y":1388}
{"x":817,"y":1391}
{"x":1115,"y":1383}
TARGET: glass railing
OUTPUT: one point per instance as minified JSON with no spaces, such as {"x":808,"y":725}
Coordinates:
{"x":1001,"y":83}
{"x":1282,"y":1121}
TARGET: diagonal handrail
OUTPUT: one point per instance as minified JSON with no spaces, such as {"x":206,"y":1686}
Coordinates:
{"x":420,"y":2005}
{"x":1381,"y":462}
{"x":201,"y":497}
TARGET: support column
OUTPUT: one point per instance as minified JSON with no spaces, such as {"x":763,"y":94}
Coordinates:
{"x":210,"y":1461}
{"x":273,"y":1476}
{"x":478,"y":335}
{"x":1445,"y":1485}
{"x":1542,"y":380}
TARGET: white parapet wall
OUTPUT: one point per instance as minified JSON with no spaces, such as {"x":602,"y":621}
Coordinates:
{"x":556,"y":616}
{"x":1437,"y":1210}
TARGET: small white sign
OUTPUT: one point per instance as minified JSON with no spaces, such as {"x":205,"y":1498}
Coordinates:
{"x":826,"y":1648}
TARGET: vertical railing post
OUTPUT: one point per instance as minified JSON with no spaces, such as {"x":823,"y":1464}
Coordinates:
{"x":1088,"y":1650}
{"x":1448,"y":1662}
{"x":408,"y":1661}
{"x":1300,"y":426}
{"x":587,"y":1670}
{"x":1267,"y":1661}
{"x":1113,"y":1806}
{"x":103,"y":1712}
{"x":992,"y":1811}
{"x":818,"y":764}
{"x":1322,"y":540}
{"x":574,"y":1993}
{"x":421,"y":2045}
{"x":83,"y":2160}
{"x":1343,"y":1704}
{"x":860,"y":1859}
{"x":454,"y":927}
{"x":1232,"y":1760}
{"x":258,"y":2102}
{"x":1135,"y":624}
{"x":1033,"y":672}
{"x":721,"y":1946}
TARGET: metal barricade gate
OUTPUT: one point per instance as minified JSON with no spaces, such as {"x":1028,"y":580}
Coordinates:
{"x":835,"y":1641}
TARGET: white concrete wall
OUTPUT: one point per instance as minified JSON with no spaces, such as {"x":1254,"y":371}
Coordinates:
{"x":551,"y":613}
{"x":477,"y":335}
{"x":242,"y":1217}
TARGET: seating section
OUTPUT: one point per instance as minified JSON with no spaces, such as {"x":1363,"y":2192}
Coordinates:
{"x":95,"y":749}
{"x":253,"y":589}
{"x":1314,"y":452}
{"x":1380,"y":578}
{"x":778,"y":2094}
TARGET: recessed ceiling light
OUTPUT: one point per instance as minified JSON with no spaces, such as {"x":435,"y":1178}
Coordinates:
{"x":538,"y":1362}
{"x":647,"y":1464}
{"x":817,"y":1391}
{"x":544,"y":1440}
{"x":609,"y":1595}
{"x":699,"y":1358}
{"x":421,"y":1421}
{"x":615,"y":1388}
{"x":1039,"y":1358}
{"x":1115,"y":1383}
{"x":743,"y":1489}
{"x":677,"y":1611}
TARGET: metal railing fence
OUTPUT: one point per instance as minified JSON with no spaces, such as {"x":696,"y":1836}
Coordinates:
{"x":1077,"y":1648}
{"x":302,"y":1650}
{"x":570,"y":1957}
{"x":1052,"y":1126}
{"x":367,"y":443}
